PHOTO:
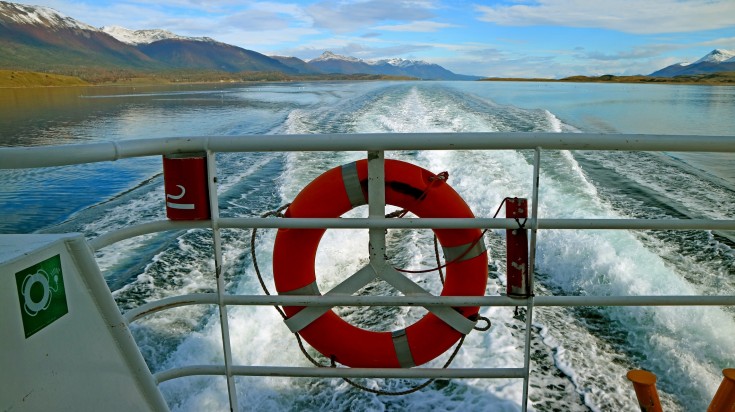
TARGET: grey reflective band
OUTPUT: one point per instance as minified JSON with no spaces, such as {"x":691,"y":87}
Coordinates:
{"x":352,"y":185}
{"x":403,"y":351}
{"x":310,"y":289}
{"x":298,"y":321}
{"x":452,"y":253}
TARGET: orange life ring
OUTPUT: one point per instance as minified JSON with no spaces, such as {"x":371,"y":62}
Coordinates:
{"x":406,"y":186}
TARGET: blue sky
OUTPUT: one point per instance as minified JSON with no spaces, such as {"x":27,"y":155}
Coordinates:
{"x":511,"y":38}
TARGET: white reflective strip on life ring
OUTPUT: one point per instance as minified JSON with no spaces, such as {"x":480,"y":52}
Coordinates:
{"x":352,"y":184}
{"x":403,"y":351}
{"x":453,"y":253}
{"x":349,"y":286}
{"x":299,"y":321}
{"x":310,"y":289}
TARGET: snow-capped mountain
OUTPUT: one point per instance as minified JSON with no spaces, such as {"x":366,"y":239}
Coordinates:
{"x":39,"y":16}
{"x":717,"y":56}
{"x":136,"y":37}
{"x":42,"y":39}
{"x":718,"y":60}
{"x":194,"y":52}
{"x":330,"y":62}
{"x":398,"y":62}
{"x":329,"y":56}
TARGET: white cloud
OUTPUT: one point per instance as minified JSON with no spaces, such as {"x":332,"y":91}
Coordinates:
{"x":368,"y":49}
{"x":630,"y":16}
{"x":267,"y":41}
{"x":349,"y":16}
{"x":256,"y":20}
{"x":635,"y":53}
{"x":727,"y":43}
{"x":479,"y":59}
{"x":416,"y":27}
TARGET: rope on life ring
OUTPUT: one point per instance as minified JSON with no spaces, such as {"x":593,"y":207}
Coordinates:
{"x":406,"y":186}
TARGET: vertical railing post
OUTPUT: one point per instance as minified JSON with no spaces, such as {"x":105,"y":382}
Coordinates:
{"x":724,"y":400}
{"x":517,"y":285}
{"x":217,"y":241}
{"x":644,"y":385}
{"x":534,"y":219}
{"x":531,"y":268}
{"x":376,"y":204}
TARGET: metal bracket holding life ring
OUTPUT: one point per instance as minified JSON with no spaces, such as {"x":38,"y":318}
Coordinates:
{"x":407,"y":186}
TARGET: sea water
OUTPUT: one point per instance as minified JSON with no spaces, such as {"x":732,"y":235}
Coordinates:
{"x":579,"y":355}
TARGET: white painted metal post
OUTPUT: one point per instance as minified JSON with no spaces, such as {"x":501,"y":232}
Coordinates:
{"x":531,"y":269}
{"x":534,"y":219}
{"x":376,"y":204}
{"x":217,"y":241}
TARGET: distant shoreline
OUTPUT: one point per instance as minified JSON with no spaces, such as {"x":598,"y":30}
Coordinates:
{"x":28,"y":79}
{"x":710,"y":79}
{"x":19,"y":79}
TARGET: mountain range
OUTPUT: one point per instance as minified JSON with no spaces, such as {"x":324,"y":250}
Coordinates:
{"x":717,"y":60}
{"x":329,"y":62}
{"x":42,"y":39}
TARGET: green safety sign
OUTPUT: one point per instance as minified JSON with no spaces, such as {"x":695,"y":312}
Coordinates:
{"x":41,"y":294}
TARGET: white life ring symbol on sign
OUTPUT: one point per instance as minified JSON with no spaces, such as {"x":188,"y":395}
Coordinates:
{"x":29,"y":305}
{"x":187,"y":206}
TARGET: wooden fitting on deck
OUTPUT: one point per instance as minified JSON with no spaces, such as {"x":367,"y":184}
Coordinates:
{"x":644,"y":384}
{"x":724,"y":400}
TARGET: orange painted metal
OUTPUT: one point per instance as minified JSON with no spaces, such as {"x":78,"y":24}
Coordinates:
{"x":724,"y":400}
{"x":644,"y":384}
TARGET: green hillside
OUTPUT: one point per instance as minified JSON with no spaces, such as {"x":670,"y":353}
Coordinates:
{"x":14,"y":78}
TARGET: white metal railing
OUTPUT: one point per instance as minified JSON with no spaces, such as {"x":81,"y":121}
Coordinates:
{"x":375,"y":145}
{"x":44,"y":156}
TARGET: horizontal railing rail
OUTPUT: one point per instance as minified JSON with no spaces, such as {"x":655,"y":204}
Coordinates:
{"x":45,"y":156}
{"x":376,"y":144}
{"x":424,"y":301}
{"x":107,"y":239}
{"x":309,"y":372}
